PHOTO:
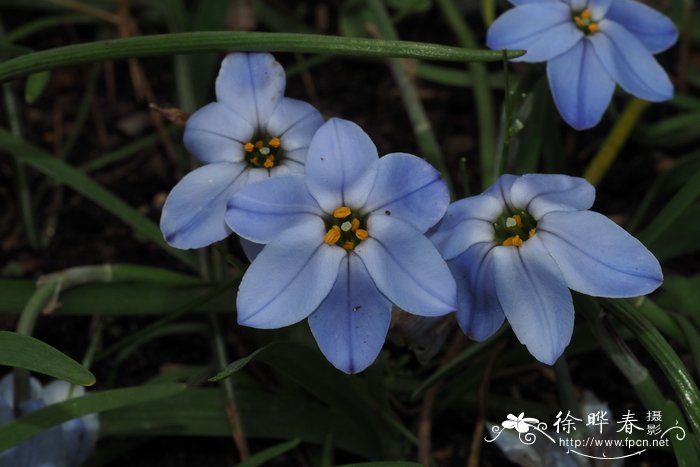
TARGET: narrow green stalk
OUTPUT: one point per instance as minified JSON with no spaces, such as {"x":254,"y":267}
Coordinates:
{"x":23,"y":190}
{"x":601,"y":162}
{"x":124,"y":152}
{"x":220,"y":41}
{"x":637,"y":375}
{"x":482,"y":93}
{"x":422,"y":128}
{"x":464,"y":175}
{"x":507,"y":117}
{"x":41,"y":24}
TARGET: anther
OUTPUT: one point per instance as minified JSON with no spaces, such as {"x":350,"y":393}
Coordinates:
{"x":332,"y":236}
{"x":593,"y":27}
{"x":248,"y":147}
{"x":342,"y":212}
{"x":274,"y":142}
{"x":531,"y":233}
{"x":269,"y":162}
{"x":259,"y":144}
{"x":355,"y":224}
{"x":512,"y":241}
{"x":348,"y":246}
{"x":361,"y":234}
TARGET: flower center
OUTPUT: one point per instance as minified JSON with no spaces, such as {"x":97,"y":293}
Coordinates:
{"x":263,"y":151}
{"x":514,"y":229}
{"x":584,"y":22}
{"x":345,"y":229}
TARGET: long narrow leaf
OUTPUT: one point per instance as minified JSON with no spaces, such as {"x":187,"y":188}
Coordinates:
{"x":22,"y":351}
{"x":219,"y":41}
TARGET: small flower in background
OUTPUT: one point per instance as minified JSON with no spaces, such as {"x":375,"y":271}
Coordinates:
{"x":589,"y":46}
{"x":516,"y":250}
{"x":68,"y":444}
{"x":251,"y":133}
{"x":342,"y":243}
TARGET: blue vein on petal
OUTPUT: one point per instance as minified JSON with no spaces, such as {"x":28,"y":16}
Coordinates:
{"x":437,"y":179}
{"x":173,"y":235}
{"x":286,"y":286}
{"x":591,"y":257}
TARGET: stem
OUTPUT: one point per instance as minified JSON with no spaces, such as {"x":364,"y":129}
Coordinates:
{"x":508,"y":114}
{"x":421,"y":125}
{"x":610,"y":148}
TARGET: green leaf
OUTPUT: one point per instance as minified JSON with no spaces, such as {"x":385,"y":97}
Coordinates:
{"x":268,"y":454}
{"x":33,"y":423}
{"x":36,"y":83}
{"x":410,"y":6}
{"x":219,"y":41}
{"x":234,"y":367}
{"x":64,"y":173}
{"x":22,"y":351}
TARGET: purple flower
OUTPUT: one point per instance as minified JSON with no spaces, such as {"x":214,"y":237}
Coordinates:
{"x":66,"y":445}
{"x":344,"y":242}
{"x":589,"y":46}
{"x":516,"y":250}
{"x":251,"y":133}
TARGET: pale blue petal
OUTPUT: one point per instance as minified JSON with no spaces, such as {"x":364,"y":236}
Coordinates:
{"x":79,"y":434}
{"x":501,"y":191}
{"x":630,"y":63}
{"x":479,"y":313}
{"x":599,"y":8}
{"x":653,"y":29}
{"x":260,"y":211}
{"x":539,"y":194}
{"x":406,"y":267}
{"x":409,"y":188}
{"x":215,"y":133}
{"x":535,"y":298}
{"x":577,"y":5}
{"x":581,"y":87}
{"x":351,"y":324}
{"x":251,"y":249}
{"x":193,"y":214}
{"x":545,"y":30}
{"x":252,"y":84}
{"x":7,"y":388}
{"x":6,"y":414}
{"x":289,"y":278}
{"x":45,"y":449}
{"x":341,"y":165}
{"x":294,"y":122}
{"x":524,"y":2}
{"x":467,"y":221}
{"x":598,"y":257}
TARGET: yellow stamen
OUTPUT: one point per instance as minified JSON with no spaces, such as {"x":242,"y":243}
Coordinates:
{"x":248,"y":147}
{"x":254,"y":160}
{"x":332,"y":236}
{"x":586,"y":13}
{"x":361,"y":234}
{"x":269,"y":162}
{"x":512,"y":241}
{"x":274,"y":142}
{"x":348,"y":246}
{"x":355,"y":224}
{"x":593,"y":27}
{"x":578,"y":21}
{"x":518,"y":220}
{"x":342,"y":212}
{"x":531,"y":233}
{"x":259,"y":144}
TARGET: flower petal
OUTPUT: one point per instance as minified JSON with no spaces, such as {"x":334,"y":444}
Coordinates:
{"x":653,"y":29}
{"x":252,"y":84}
{"x":599,"y":8}
{"x":45,"y":448}
{"x":500,"y":190}
{"x":251,"y":249}
{"x":581,"y":87}
{"x":630,"y":63}
{"x":406,"y":267}
{"x":539,"y":194}
{"x":260,"y":211}
{"x":294,"y":122}
{"x":479,"y":313}
{"x":409,"y":188}
{"x":341,"y":165}
{"x":351,"y":324}
{"x":598,"y":257}
{"x":535,"y":298}
{"x":215,"y":133}
{"x":289,"y":278}
{"x":545,"y":30}
{"x":193,"y":214}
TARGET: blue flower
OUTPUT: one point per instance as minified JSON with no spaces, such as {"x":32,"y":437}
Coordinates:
{"x":589,"y":46}
{"x":343,"y":242}
{"x":251,"y":133}
{"x":65,"y":445}
{"x":516,"y":250}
